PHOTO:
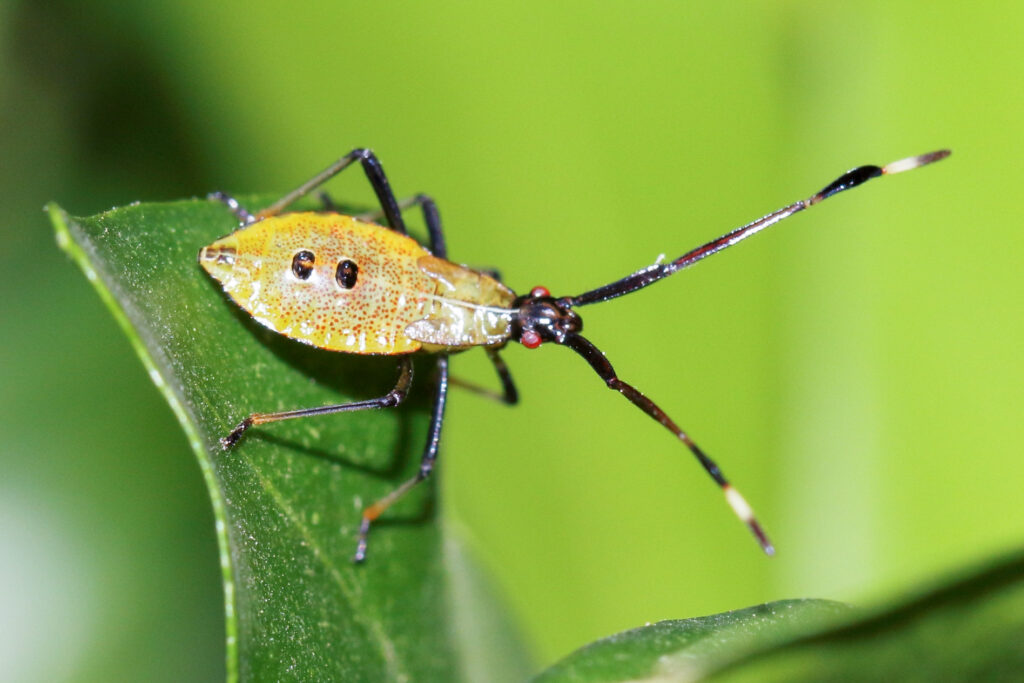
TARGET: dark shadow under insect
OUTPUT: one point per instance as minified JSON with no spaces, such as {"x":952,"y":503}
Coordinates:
{"x":530,"y":319}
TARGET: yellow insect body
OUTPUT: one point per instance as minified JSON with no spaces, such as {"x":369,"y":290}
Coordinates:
{"x":403,"y":298}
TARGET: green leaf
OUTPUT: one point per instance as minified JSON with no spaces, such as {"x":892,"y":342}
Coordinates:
{"x":287,"y":499}
{"x":971,"y":629}
{"x":685,"y":649}
{"x":967,"y":630}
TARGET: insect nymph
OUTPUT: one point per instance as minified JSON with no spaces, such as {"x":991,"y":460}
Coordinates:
{"x":344,"y":283}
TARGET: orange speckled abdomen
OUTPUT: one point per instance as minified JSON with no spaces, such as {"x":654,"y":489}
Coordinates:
{"x":340,"y":284}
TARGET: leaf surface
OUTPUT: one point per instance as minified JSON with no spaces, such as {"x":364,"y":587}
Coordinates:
{"x":686,"y":649}
{"x":970,"y":628}
{"x":287,"y":499}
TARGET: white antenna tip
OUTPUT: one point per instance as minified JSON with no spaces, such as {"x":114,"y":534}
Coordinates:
{"x":738,"y":504}
{"x":911,"y":163}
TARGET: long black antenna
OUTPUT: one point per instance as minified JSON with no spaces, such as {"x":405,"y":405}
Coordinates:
{"x":651,"y":274}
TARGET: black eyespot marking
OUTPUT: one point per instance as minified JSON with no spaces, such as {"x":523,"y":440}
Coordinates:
{"x":302,"y":264}
{"x":347,"y":274}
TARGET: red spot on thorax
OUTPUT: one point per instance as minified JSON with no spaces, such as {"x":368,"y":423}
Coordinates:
{"x":538,"y":292}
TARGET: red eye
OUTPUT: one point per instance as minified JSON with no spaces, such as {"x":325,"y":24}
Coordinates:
{"x":530,"y":339}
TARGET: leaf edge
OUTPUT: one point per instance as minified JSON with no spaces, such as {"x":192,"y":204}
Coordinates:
{"x":62,"y":223}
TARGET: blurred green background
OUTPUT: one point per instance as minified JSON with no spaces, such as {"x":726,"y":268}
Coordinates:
{"x":857,"y":371}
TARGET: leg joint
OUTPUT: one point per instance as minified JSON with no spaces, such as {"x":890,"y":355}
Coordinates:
{"x":393,"y":398}
{"x":237,"y":209}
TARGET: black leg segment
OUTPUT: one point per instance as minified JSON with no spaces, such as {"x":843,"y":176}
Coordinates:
{"x":508,"y":394}
{"x":388,"y":400}
{"x":508,"y":387}
{"x":431,"y":217}
{"x":374,"y":173}
{"x":327,"y":202}
{"x":371,"y":513}
{"x":240,"y":212}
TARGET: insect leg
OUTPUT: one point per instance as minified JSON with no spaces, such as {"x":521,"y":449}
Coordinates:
{"x":508,"y":387}
{"x":435,"y":232}
{"x":388,"y":400}
{"x":240,"y":212}
{"x":490,"y":270}
{"x":605,"y":370}
{"x":327,"y":202}
{"x":371,"y":513}
{"x":374,"y":173}
{"x":374,"y":215}
{"x":508,"y":394}
{"x":430,"y":216}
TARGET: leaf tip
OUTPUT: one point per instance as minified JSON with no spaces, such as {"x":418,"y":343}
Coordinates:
{"x":59,"y":220}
